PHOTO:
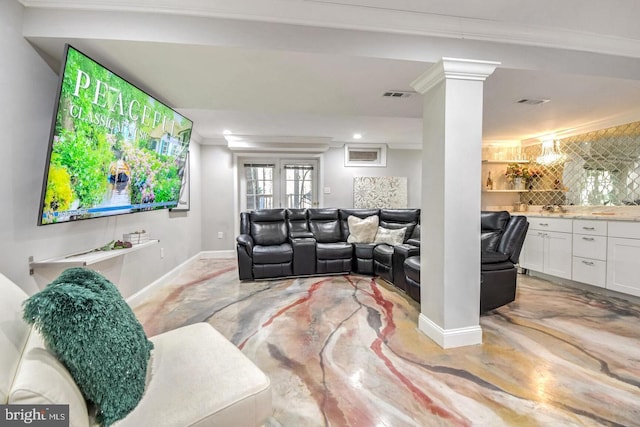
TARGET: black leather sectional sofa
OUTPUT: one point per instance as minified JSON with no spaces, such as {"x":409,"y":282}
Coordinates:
{"x":302,"y":242}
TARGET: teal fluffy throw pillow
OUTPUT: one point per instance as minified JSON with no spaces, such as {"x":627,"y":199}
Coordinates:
{"x":87,"y":324}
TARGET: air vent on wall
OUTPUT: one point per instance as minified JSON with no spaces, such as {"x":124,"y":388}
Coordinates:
{"x":398,"y":94}
{"x":365,"y":155}
{"x":532,"y":101}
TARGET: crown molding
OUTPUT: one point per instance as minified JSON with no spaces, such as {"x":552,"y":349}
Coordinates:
{"x":454,"y":68}
{"x":288,"y":144}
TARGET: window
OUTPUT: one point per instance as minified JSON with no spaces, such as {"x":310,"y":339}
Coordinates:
{"x":298,"y":185}
{"x":259,"y":193}
{"x":279,"y":183}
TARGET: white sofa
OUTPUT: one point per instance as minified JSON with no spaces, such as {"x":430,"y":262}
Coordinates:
{"x":196,"y":377}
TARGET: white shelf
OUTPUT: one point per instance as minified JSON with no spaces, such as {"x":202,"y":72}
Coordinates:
{"x":504,"y":162}
{"x":504,"y":191}
{"x":89,"y":258}
{"x":524,"y":191}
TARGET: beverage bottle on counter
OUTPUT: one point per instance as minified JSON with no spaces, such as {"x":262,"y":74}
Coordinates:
{"x":489,"y":182}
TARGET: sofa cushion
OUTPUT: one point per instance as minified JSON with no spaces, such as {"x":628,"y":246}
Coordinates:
{"x":274,"y":254}
{"x":13,"y":333}
{"x":383,"y":254}
{"x":237,"y":392}
{"x":42,"y":380}
{"x":268,"y":226}
{"x":362,"y":230}
{"x":297,"y":221}
{"x":325,"y":225}
{"x":389,"y":236}
{"x":492,"y":225}
{"x":398,"y":218}
{"x":89,"y":327}
{"x":340,"y":250}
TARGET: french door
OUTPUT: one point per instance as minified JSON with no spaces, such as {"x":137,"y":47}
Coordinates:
{"x":278,"y":183}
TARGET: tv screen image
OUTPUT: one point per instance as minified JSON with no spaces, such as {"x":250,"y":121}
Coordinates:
{"x":114,"y":149}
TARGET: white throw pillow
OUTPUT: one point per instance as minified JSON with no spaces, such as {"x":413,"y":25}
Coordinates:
{"x":362,"y":230}
{"x":389,"y":236}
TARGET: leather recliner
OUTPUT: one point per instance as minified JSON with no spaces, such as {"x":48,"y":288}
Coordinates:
{"x":333,"y":253}
{"x":501,"y":240}
{"x":263,"y":245}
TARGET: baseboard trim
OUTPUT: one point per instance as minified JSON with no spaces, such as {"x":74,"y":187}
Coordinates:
{"x":450,"y":338}
{"x":218,"y":254}
{"x":133,"y":299}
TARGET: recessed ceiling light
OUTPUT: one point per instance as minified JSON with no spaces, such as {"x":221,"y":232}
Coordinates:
{"x":357,"y":136}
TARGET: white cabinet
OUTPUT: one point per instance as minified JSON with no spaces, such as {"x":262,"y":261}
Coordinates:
{"x":532,"y":254}
{"x":623,"y":257}
{"x":590,"y":252}
{"x":596,"y":252}
{"x":547,"y":247}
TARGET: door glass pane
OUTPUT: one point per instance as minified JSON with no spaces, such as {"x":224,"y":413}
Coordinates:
{"x":259,"y":185}
{"x":298,"y":186}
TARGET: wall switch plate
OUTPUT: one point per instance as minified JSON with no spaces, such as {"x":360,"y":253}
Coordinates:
{"x":161,"y":252}
{"x":327,"y":190}
{"x":220,"y":234}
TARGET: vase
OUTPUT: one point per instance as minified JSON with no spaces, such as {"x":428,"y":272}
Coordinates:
{"x":518,"y":184}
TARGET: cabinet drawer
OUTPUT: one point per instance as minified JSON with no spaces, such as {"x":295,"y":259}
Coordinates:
{"x":624,"y":229}
{"x":587,"y":246}
{"x":590,"y":271}
{"x":585,"y":226}
{"x":550,"y":224}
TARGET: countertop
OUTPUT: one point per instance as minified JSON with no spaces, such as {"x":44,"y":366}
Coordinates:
{"x":604,"y":213}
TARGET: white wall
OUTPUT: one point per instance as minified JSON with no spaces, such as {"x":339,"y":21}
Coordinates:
{"x":220,"y":213}
{"x":28,"y":90}
{"x":218,"y":195}
{"x":404,"y":163}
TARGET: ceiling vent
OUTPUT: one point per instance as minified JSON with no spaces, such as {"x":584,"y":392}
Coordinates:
{"x":532,"y":101}
{"x":398,"y":94}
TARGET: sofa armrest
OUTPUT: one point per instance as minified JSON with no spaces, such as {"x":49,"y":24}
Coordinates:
{"x":246,"y":241}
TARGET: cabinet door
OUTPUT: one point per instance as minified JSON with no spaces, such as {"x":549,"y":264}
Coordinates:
{"x":531,"y":256}
{"x":557,"y":254}
{"x":622,"y":265}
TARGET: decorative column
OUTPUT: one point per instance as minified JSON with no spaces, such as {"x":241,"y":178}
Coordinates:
{"x":451,"y":187}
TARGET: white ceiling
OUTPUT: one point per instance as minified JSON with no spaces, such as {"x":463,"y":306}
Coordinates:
{"x":275,"y":69}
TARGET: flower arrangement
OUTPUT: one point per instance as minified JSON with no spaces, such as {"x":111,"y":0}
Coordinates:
{"x":516,"y":170}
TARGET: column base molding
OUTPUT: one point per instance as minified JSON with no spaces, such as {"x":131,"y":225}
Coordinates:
{"x":450,"y":338}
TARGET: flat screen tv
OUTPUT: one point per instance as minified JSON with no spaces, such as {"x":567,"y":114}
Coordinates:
{"x":114,"y":149}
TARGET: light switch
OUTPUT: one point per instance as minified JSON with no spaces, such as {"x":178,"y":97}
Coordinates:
{"x":327,"y":190}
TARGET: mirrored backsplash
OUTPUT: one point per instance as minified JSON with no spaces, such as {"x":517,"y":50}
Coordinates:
{"x":591,"y":169}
